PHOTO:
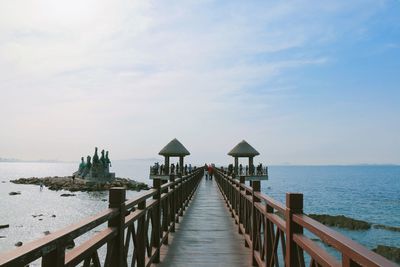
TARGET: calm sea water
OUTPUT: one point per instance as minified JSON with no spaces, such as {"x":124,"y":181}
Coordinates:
{"x":370,"y":193}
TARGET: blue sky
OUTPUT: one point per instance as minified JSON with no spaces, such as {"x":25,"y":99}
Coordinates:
{"x":305,"y":82}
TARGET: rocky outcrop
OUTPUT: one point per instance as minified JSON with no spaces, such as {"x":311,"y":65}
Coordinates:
{"x":391,"y":253}
{"x":341,"y":221}
{"x":4,"y":226}
{"x":14,"y":193}
{"x":67,"y":183}
{"x":387,"y":227}
{"x":67,"y":195}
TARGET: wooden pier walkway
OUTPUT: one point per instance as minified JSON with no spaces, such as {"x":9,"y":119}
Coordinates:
{"x":207,"y":235}
{"x":186,"y":220}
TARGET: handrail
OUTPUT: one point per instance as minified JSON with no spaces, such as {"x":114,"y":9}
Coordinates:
{"x":129,"y":225}
{"x":265,"y":222}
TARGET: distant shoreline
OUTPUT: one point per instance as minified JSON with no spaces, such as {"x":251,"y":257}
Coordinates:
{"x":2,"y":160}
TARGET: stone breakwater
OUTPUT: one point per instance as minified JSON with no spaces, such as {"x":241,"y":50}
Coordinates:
{"x":67,"y":183}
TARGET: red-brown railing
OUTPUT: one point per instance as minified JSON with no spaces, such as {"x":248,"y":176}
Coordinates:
{"x":135,"y":231}
{"x":266,"y":223}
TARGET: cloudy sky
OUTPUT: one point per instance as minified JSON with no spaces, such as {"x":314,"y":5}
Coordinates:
{"x":304,"y":82}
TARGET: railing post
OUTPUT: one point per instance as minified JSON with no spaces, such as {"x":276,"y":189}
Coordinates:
{"x":116,"y":247}
{"x":233,"y":197}
{"x":141,"y":237}
{"x":254,"y":228}
{"x":181,"y":195}
{"x":241,"y":202}
{"x":248,"y":210}
{"x":347,"y":262}
{"x":55,"y":258}
{"x":294,"y":205}
{"x":173,"y":202}
{"x":156,"y":229}
{"x":268,"y":233}
{"x":166,"y":214}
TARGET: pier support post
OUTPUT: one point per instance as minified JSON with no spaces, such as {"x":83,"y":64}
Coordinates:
{"x":294,"y":205}
{"x":116,"y":247}
{"x":181,"y":165}
{"x":236,"y":167}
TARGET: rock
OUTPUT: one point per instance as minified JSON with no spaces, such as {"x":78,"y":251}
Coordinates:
{"x":341,"y":221}
{"x":2,"y":236}
{"x":387,"y":227}
{"x":4,"y":226}
{"x":46,"y":232}
{"x":391,"y":253}
{"x":37,"y":215}
{"x":64,"y":183}
{"x":18,"y":244}
{"x":53,"y":216}
{"x":104,"y":200}
{"x":14,"y":193}
{"x":40,"y":219}
{"x":68,"y":195}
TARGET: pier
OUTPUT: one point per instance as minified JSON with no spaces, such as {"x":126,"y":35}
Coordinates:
{"x":190,"y":221}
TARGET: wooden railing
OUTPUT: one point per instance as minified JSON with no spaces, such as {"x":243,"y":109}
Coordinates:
{"x":266,"y":223}
{"x":135,"y":231}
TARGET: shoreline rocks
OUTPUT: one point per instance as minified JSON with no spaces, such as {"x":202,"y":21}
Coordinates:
{"x":67,"y":183}
{"x":67,"y":195}
{"x":387,"y":227}
{"x":391,"y":253}
{"x":341,"y":221}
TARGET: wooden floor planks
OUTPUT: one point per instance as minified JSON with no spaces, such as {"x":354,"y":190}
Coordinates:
{"x":207,"y":235}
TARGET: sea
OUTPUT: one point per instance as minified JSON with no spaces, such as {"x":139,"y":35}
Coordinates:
{"x":366,"y":192}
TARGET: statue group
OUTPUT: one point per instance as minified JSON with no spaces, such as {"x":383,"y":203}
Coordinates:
{"x":99,"y":169}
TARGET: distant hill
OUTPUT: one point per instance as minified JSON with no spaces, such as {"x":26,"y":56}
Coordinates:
{"x":20,"y":160}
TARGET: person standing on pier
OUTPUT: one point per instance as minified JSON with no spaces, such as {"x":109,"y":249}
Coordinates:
{"x":210,"y":171}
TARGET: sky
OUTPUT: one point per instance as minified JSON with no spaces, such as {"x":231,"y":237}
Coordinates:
{"x":304,"y":82}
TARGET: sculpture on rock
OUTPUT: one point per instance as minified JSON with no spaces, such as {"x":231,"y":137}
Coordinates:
{"x":82,"y":165}
{"x":108,"y":162}
{"x":98,"y":171}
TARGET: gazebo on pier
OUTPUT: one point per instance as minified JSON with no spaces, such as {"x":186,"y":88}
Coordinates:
{"x":250,"y":172}
{"x":173,"y":149}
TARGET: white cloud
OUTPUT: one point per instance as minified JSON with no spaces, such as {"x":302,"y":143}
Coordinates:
{"x":79,"y":73}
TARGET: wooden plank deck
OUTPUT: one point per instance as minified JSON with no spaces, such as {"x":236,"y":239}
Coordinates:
{"x":207,"y":235}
